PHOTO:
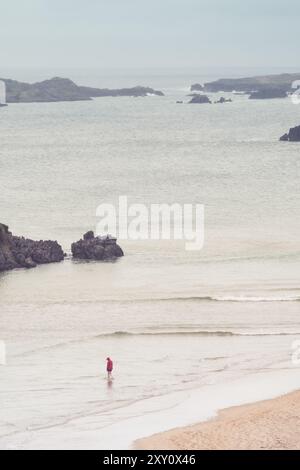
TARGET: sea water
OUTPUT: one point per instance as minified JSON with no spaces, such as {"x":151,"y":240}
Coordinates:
{"x":189,"y":332}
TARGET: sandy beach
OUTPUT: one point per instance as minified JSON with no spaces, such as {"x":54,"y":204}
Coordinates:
{"x":267,"y":425}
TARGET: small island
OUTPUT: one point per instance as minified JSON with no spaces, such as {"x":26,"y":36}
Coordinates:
{"x":62,"y":89}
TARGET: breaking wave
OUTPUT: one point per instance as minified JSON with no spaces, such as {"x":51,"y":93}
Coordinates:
{"x":193,"y":333}
{"x":230,"y":298}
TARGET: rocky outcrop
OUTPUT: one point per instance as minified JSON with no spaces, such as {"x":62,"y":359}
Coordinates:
{"x":135,"y":92}
{"x":292,"y":136}
{"x":63,"y":89}
{"x":97,"y":248}
{"x":197,"y":87}
{"x":223,"y":100}
{"x":250,"y":84}
{"x":200,"y":99}
{"x":19,"y":252}
{"x":268,"y":94}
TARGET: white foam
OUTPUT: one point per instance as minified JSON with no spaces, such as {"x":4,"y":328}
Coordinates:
{"x":2,"y":92}
{"x":256,"y":299}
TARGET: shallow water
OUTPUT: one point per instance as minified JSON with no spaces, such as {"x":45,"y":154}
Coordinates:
{"x":175,"y":322}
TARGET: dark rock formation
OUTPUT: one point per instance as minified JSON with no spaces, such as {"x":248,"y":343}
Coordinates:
{"x":250,"y":84}
{"x":179,"y":102}
{"x":200,"y":99}
{"x":292,"y":136}
{"x":135,"y":92}
{"x":268,"y":94}
{"x":197,"y":87}
{"x":63,"y":89}
{"x":96,"y":248}
{"x":19,"y":252}
{"x":223,"y":100}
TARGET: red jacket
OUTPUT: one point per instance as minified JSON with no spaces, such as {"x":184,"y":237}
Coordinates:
{"x":110,"y":365}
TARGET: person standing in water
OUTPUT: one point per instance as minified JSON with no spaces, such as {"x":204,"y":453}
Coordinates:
{"x":109,"y":367}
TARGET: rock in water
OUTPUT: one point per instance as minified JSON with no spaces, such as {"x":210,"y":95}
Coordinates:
{"x":19,"y":252}
{"x":292,"y":136}
{"x":200,"y":99}
{"x":223,"y":100}
{"x":97,"y":248}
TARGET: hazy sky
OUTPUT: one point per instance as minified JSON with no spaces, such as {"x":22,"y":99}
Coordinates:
{"x":154,"y":33}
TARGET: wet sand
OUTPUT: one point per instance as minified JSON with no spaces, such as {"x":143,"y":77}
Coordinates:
{"x":272,"y":424}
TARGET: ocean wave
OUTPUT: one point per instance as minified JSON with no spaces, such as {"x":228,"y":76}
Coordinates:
{"x":170,"y":298}
{"x":232,"y":299}
{"x":255,"y":299}
{"x":157,"y":333}
{"x":223,"y":333}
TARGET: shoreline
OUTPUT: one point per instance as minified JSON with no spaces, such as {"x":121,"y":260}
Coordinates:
{"x":272,"y":424}
{"x":169,"y":417}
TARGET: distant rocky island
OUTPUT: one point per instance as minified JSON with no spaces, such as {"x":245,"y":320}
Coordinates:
{"x":63,"y":89}
{"x":292,"y":136}
{"x":198,"y":98}
{"x":250,"y":85}
{"x":259,"y":88}
{"x":19,"y":252}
